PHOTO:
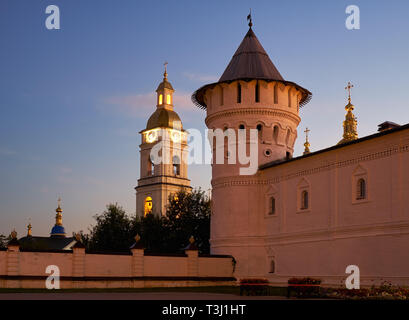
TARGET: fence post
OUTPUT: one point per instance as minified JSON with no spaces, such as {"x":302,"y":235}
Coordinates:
{"x":192,"y":258}
{"x":13,"y":261}
{"x":138,"y":257}
{"x":78,"y":263}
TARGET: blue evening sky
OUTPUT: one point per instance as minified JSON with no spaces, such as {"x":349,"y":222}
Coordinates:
{"x":73,"y":100}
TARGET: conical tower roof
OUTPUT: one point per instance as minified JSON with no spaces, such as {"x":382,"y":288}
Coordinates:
{"x":250,"y":61}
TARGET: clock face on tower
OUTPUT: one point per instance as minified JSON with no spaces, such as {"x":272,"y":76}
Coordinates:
{"x":151,"y":136}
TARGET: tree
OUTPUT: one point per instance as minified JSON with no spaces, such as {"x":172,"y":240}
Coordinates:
{"x":154,"y":235}
{"x":188,"y":214}
{"x":3,"y":241}
{"x":113,"y":231}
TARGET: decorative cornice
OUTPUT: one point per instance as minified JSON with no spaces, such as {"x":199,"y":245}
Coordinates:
{"x":344,"y":232}
{"x":254,"y":111}
{"x":256,"y":180}
{"x":324,"y":234}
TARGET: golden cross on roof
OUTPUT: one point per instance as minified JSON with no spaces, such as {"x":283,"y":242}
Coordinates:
{"x":306,"y":133}
{"x":306,"y":144}
{"x":349,"y":87}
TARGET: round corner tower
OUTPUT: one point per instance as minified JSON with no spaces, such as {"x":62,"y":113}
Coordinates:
{"x":251,"y":94}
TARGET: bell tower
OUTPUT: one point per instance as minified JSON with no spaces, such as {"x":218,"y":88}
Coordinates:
{"x":163,"y":155}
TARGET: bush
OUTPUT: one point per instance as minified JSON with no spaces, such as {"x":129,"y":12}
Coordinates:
{"x":385,"y":291}
{"x":304,"y":281}
{"x":254,"y":287}
{"x":304,"y":287}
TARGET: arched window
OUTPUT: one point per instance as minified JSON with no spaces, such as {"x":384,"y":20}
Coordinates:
{"x":151,"y":168}
{"x":160,"y":99}
{"x":260,"y":130}
{"x":272,"y":266}
{"x":272,"y":205}
{"x":304,"y":200}
{"x":238,"y":93}
{"x":289,"y":98}
{"x":275,"y":94}
{"x":148,"y":206}
{"x":168,"y":99}
{"x":275,"y":134}
{"x":241,"y":127}
{"x":257,"y":93}
{"x":176,"y":165}
{"x":361,"y":189}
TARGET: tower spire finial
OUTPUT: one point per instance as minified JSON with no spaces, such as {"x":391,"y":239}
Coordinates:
{"x":350,"y":123}
{"x":249,"y":19}
{"x":165,"y":74}
{"x":307,"y":143}
{"x":58,"y":216}
{"x":349,"y":87}
{"x":29,"y":228}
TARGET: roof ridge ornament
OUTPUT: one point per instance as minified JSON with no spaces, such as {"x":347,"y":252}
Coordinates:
{"x":249,"y":19}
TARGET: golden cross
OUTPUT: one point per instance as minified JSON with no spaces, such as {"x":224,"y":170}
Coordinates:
{"x":59,"y":201}
{"x":306,"y":133}
{"x":349,"y":87}
{"x":166,"y":73}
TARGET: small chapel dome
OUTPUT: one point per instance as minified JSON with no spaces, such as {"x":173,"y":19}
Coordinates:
{"x":165,"y":84}
{"x":58,"y":231}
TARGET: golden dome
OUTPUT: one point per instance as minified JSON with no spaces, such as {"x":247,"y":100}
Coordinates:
{"x":163,"y":118}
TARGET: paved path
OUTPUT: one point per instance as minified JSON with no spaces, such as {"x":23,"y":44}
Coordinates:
{"x":132,"y":296}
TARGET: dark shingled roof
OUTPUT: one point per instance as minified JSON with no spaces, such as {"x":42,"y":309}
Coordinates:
{"x":249,"y":62}
{"x":45,"y":243}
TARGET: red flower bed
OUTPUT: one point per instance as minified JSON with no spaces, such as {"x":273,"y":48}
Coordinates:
{"x":256,"y":287}
{"x":304,"y":287}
